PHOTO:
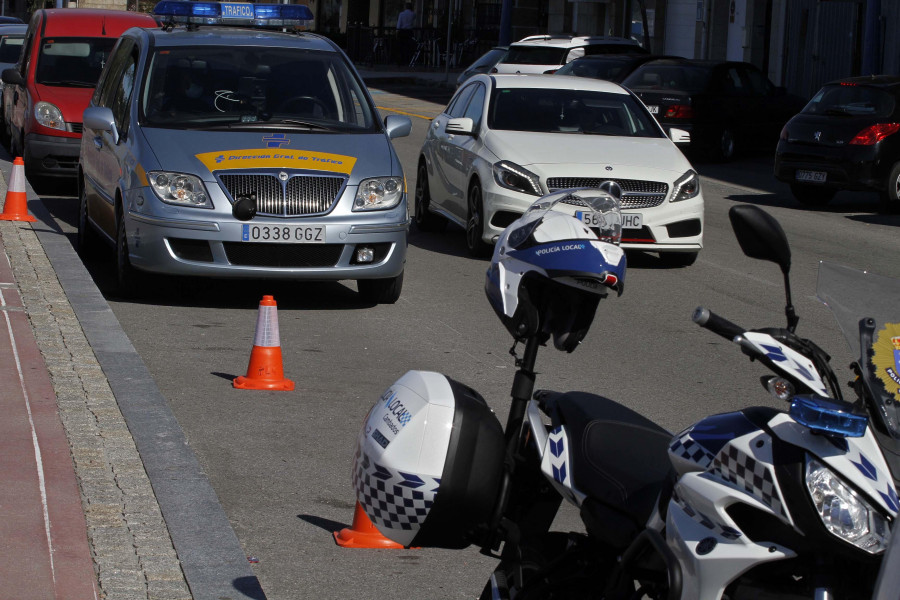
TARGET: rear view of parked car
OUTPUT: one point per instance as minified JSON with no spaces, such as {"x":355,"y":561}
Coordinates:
{"x":844,"y":139}
{"x":47,"y":92}
{"x":547,"y":53}
{"x":724,"y":106}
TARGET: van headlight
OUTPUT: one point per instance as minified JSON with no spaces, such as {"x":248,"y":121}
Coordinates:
{"x":686,"y":187}
{"x":378,"y":193}
{"x":844,"y":513}
{"x":48,"y":115}
{"x":179,"y":188}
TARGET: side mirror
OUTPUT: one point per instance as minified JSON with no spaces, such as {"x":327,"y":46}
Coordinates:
{"x":397,"y":126}
{"x":12,"y":77}
{"x":100,"y":118}
{"x":460,"y":126}
{"x":680,"y":136}
{"x":760,"y":235}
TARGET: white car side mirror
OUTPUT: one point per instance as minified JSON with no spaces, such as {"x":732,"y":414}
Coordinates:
{"x":680,"y":136}
{"x":460,"y":126}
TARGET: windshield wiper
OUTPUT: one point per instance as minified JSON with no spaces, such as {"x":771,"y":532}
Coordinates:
{"x":837,"y":112}
{"x":83,"y":84}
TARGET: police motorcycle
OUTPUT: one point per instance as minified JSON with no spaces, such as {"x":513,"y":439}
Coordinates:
{"x":755,"y":503}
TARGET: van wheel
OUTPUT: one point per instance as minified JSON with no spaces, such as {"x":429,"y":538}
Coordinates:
{"x":380,"y":291}
{"x":475,"y":224}
{"x":812,"y":195}
{"x":87,"y":241}
{"x":127,"y":277}
{"x":890,"y":195}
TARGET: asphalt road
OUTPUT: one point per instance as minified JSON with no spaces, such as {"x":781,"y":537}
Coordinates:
{"x":280,"y":461}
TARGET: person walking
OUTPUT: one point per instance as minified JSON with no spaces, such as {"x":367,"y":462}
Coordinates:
{"x":405,"y":21}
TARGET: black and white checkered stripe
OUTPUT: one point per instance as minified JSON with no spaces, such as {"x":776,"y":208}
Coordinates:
{"x":684,"y":446}
{"x":392,"y":499}
{"x":749,"y":474}
{"x":724,"y":531}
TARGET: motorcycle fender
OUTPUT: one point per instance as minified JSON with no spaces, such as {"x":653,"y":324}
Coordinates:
{"x":711,"y":550}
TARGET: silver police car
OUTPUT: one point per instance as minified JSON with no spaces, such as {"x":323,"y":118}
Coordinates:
{"x":241,"y":152}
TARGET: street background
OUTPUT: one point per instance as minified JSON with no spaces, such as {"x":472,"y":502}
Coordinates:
{"x":280,"y":461}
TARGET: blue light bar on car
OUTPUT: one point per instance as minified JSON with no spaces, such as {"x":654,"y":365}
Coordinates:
{"x":825,"y":416}
{"x":234,"y":13}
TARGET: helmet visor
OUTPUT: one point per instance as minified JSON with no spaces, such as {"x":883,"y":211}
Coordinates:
{"x":595,"y":208}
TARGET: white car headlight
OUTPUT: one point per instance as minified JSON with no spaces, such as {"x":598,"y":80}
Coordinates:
{"x":687,"y":186}
{"x":844,"y":513}
{"x":179,"y":188}
{"x":48,"y":115}
{"x":378,"y":193}
{"x":513,"y":177}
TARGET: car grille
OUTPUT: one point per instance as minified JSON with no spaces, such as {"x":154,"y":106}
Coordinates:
{"x":297,"y":195}
{"x":635,"y":192}
{"x":76,"y":127}
{"x":282,"y":255}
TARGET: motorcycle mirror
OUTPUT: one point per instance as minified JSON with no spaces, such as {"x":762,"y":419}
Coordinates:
{"x":760,"y":235}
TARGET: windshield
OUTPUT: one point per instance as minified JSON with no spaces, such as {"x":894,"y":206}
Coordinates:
{"x":214,"y":86}
{"x":611,"y":68}
{"x":682,"y":78}
{"x":10,"y":49}
{"x":72,"y":62}
{"x":569,"y":111}
{"x":850,"y":100}
{"x":854,"y":295}
{"x":535,"y":55}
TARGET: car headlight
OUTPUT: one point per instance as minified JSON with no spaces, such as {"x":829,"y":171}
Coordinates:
{"x":179,"y":188}
{"x":844,"y":513}
{"x":48,"y":115}
{"x":513,"y":177}
{"x":687,"y":186}
{"x":378,"y":193}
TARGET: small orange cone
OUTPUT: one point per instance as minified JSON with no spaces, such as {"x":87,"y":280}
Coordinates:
{"x":15,"y":207}
{"x":265,"y":371}
{"x":362,"y":534}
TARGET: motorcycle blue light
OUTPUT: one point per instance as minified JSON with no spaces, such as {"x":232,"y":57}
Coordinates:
{"x":828,"y":417}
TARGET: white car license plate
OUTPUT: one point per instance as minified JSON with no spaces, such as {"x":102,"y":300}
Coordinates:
{"x":814,"y":176}
{"x":654,"y":109}
{"x":283,"y":234}
{"x":629,"y":220}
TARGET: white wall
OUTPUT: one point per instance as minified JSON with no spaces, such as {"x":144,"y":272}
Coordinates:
{"x":681,"y":24}
{"x":737,"y":30}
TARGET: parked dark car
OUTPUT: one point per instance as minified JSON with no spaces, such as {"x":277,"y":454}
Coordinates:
{"x":483,"y":63}
{"x":724,"y":106}
{"x":844,"y":139}
{"x":611,"y":67}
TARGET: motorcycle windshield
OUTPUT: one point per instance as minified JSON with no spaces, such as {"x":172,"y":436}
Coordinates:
{"x":853,"y":296}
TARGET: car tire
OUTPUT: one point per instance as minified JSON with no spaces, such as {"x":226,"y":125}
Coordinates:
{"x":812,"y":195}
{"x":380,"y":291}
{"x":127,"y":278}
{"x":424,"y":218}
{"x":87,"y":241}
{"x":475,"y":243}
{"x":890,"y":195}
{"x":725,"y":146}
{"x":678,"y":259}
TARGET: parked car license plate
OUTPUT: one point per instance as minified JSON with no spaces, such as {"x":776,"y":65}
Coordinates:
{"x":814,"y":176}
{"x":629,"y":220}
{"x":285,"y":234}
{"x":654,"y":109}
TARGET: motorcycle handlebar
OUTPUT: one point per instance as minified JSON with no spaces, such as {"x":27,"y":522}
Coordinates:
{"x":709,"y":320}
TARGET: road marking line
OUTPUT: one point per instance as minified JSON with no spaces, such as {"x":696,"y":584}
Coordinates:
{"x":408,"y":114}
{"x":34,"y":440}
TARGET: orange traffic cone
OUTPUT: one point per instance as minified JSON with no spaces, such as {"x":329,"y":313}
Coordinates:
{"x":15,"y":208}
{"x":362,"y":534}
{"x":265,"y":371}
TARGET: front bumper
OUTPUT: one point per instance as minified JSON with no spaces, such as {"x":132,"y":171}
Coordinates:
{"x":202,"y":243}
{"x":671,"y":226}
{"x":52,"y":156}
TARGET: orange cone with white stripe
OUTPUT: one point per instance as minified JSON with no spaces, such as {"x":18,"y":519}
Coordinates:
{"x":15,"y":208}
{"x":265,"y":371}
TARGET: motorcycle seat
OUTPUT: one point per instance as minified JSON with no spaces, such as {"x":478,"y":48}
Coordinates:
{"x":619,"y":457}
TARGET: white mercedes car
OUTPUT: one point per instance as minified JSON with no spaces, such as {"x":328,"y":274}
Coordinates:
{"x":505,"y":140}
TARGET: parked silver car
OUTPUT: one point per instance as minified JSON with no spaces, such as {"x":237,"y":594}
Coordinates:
{"x":238,"y":152}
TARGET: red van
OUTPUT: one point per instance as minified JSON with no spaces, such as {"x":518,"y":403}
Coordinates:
{"x":48,"y":90}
